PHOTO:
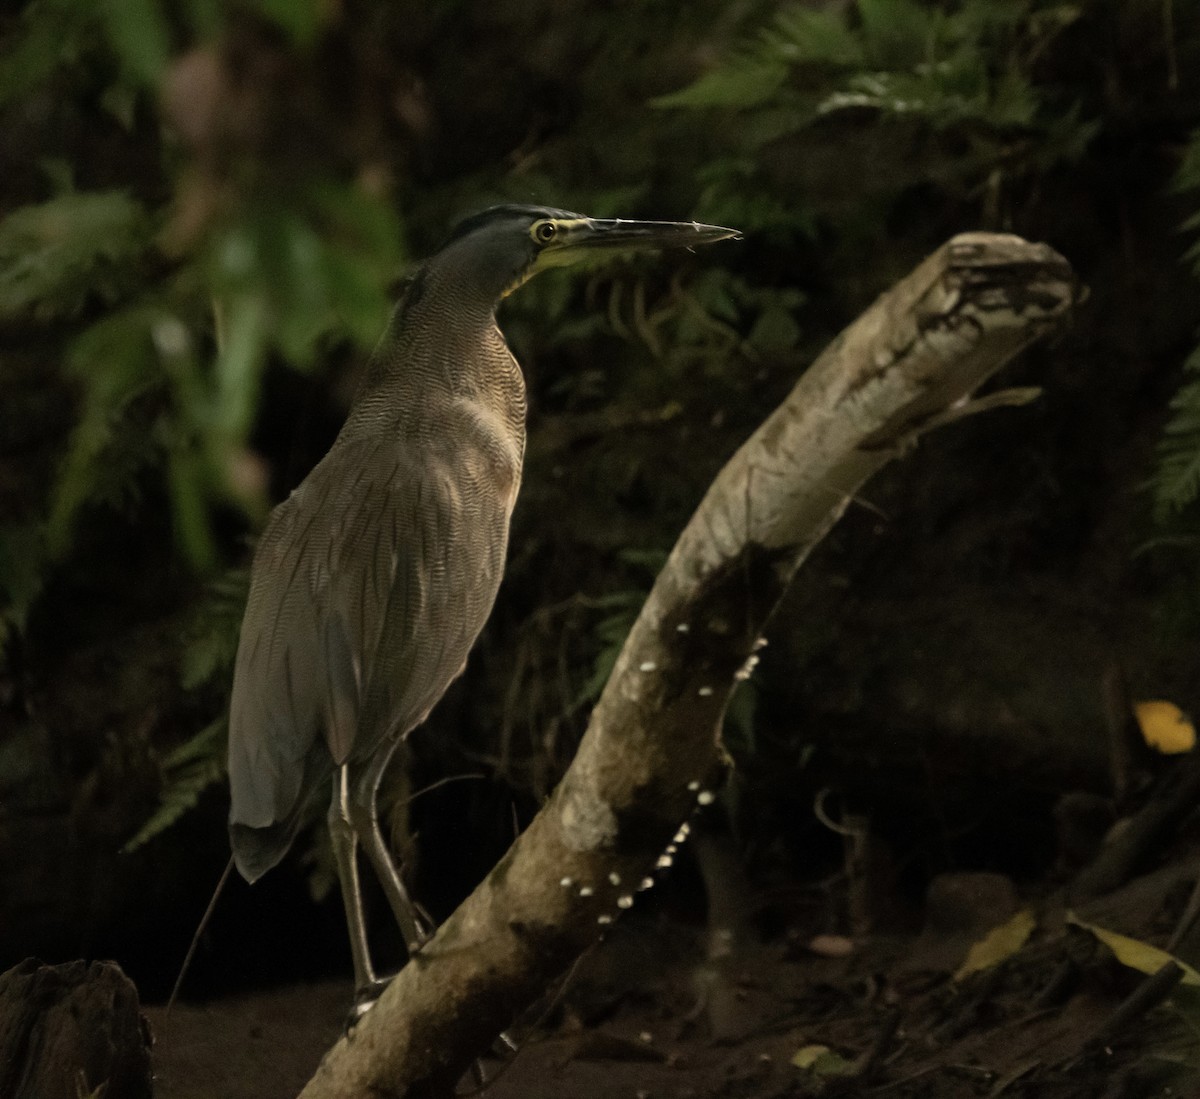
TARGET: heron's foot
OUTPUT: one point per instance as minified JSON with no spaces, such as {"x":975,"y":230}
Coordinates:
{"x":365,"y":997}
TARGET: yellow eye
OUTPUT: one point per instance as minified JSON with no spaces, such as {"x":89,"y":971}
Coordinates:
{"x":544,"y":232}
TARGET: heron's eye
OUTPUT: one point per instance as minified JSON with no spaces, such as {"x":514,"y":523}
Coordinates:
{"x":544,"y":232}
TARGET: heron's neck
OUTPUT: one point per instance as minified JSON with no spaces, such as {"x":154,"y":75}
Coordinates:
{"x":442,"y":344}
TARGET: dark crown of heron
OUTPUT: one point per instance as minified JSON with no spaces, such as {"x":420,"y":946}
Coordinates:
{"x":502,"y":247}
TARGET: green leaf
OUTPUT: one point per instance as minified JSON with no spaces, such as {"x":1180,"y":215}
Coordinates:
{"x":800,"y":34}
{"x":49,"y":36}
{"x":1176,"y":481}
{"x":1187,"y":175}
{"x":22,"y":570}
{"x":56,"y":256}
{"x":188,"y":481}
{"x":239,"y":366}
{"x":115,"y":359}
{"x":301,"y":20}
{"x":1013,"y":102}
{"x":191,"y":769}
{"x":206,"y":745}
{"x":137,"y":32}
{"x":213,"y":638}
{"x":741,"y":83}
{"x":315,"y":265}
{"x":897,"y":32}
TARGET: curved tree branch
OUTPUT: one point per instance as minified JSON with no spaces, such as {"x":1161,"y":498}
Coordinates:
{"x":908,"y":363}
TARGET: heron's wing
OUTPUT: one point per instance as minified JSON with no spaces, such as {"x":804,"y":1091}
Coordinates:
{"x":274,"y":714}
{"x":449,"y":535}
{"x":369,"y":586}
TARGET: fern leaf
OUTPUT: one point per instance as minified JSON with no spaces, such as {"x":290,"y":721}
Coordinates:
{"x":213,"y":640}
{"x":1176,"y":482}
{"x":801,"y":34}
{"x":56,"y":256}
{"x":1187,"y":175}
{"x":208,"y":744}
{"x":191,"y":769}
{"x":743,"y":82}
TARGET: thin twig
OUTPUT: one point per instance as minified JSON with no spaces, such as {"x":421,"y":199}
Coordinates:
{"x":1149,"y":994}
{"x":442,"y":782}
{"x":191,"y":951}
{"x":870,"y":1061}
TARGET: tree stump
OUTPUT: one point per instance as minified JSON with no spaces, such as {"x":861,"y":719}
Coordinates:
{"x":72,"y":1031}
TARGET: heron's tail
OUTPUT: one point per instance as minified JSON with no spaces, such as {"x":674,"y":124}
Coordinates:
{"x":257,"y":850}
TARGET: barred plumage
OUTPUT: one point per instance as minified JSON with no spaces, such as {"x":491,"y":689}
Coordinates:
{"x":373,"y":579}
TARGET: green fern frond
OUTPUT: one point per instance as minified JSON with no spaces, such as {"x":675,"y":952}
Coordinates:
{"x":1176,"y":480}
{"x":970,"y":66}
{"x":208,"y":657}
{"x":213,"y":636}
{"x":58,"y":255}
{"x":1187,"y":175}
{"x":801,"y":35}
{"x":743,"y":82}
{"x":116,"y":362}
{"x":191,"y":769}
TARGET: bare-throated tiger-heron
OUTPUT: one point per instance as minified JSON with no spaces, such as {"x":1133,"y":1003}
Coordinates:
{"x":373,"y":579}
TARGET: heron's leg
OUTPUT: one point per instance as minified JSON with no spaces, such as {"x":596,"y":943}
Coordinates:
{"x":365,"y":817}
{"x":344,"y":840}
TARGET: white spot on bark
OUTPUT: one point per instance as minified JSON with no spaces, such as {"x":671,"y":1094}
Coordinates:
{"x":625,"y":902}
{"x":647,"y":666}
{"x":614,"y":878}
{"x":586,"y":891}
{"x":705,"y":797}
{"x":604,"y":918}
{"x":704,"y":692}
{"x":746,"y":669}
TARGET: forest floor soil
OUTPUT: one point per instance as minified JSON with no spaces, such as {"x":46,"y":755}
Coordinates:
{"x":645,"y":1015}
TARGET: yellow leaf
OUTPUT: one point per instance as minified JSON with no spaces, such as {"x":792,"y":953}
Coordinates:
{"x":821,"y":1060}
{"x":1136,"y":954}
{"x":998,"y":944}
{"x":1165,"y":727}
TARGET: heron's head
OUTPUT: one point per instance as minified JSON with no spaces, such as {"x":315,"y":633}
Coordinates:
{"x":505,"y":246}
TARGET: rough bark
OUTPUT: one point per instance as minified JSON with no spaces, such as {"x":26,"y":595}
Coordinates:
{"x":907,"y":364}
{"x":72,"y":1030}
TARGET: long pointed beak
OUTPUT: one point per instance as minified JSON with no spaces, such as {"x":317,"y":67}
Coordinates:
{"x":619,"y":235}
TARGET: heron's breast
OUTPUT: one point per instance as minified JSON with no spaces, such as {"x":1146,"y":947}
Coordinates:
{"x":494,"y":452}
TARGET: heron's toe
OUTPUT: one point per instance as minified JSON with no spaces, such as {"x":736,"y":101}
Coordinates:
{"x":365,"y":997}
